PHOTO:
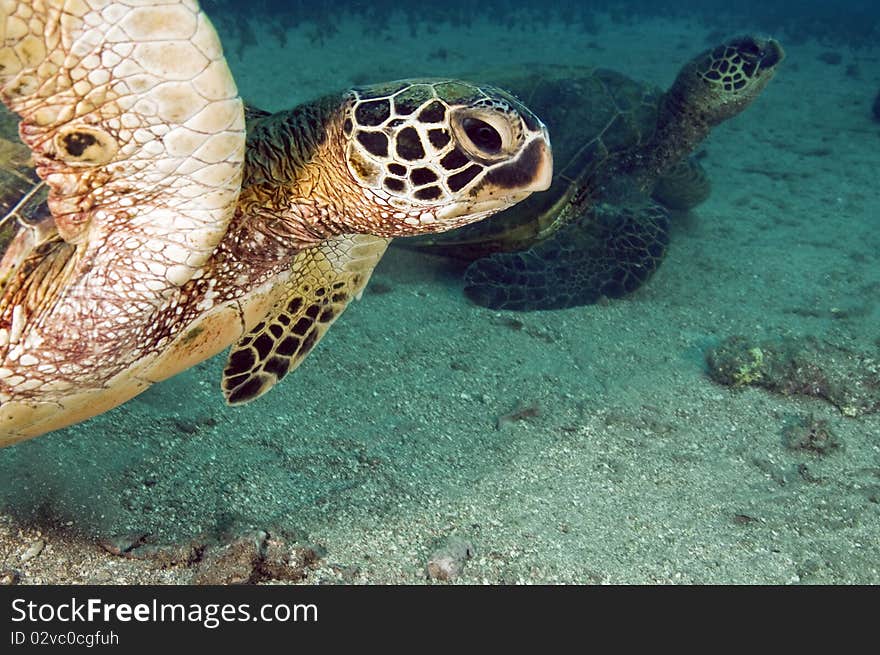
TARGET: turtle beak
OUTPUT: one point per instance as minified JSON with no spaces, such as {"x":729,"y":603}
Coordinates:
{"x":531,"y":171}
{"x":544,"y":164}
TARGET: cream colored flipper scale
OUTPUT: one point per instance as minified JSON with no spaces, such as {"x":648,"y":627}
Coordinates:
{"x":170,"y":232}
{"x":135,"y":124}
{"x":325,"y":279}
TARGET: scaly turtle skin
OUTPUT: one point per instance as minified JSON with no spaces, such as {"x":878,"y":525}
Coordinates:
{"x":172,"y":229}
{"x":598,"y":232}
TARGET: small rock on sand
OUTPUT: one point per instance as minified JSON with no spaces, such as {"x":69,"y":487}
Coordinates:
{"x":33,"y":550}
{"x":447,"y":562}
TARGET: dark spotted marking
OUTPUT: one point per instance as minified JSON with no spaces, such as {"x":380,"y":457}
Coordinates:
{"x":242,"y":360}
{"x":404,"y":107}
{"x":247,"y":391}
{"x":407,"y":101}
{"x":235,"y":380}
{"x":460,"y":180}
{"x":284,"y":319}
{"x":409,"y":145}
{"x":453,"y":160}
{"x":288,"y":346}
{"x":340,"y":297}
{"x":347,"y":127}
{"x":294,"y":305}
{"x":308,"y":343}
{"x":397,"y":169}
{"x":376,"y":143}
{"x":312,"y":312}
{"x":393,"y":184}
{"x":76,"y":143}
{"x":263,"y":344}
{"x":429,"y":193}
{"x":519,"y":172}
{"x":372,"y":112}
{"x":276,"y":331}
{"x":363,"y":168}
{"x":422,"y":176}
{"x":302,"y":326}
{"x":433,"y":113}
{"x":327,"y":315}
{"x":438,"y":138}
{"x":278,"y":366}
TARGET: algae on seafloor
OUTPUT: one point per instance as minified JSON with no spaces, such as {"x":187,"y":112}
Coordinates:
{"x":848,"y":379}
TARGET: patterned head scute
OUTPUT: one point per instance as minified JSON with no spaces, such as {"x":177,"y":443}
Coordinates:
{"x":438,"y":149}
{"x":726,"y":79}
{"x":740,"y":62}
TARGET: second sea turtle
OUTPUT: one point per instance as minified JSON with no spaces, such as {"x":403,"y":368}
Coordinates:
{"x":621,"y":151}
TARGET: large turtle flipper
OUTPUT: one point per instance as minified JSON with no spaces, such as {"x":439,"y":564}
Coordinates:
{"x":610,"y":252}
{"x":135,"y":125}
{"x":323,"y":280}
{"x":683,"y":186}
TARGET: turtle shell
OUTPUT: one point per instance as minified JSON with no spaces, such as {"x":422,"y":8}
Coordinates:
{"x":591,"y":113}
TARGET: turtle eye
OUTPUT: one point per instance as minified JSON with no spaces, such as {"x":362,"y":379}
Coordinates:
{"x":482,"y":135}
{"x":751,"y":49}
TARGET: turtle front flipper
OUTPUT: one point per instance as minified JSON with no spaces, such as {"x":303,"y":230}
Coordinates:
{"x":324,"y":279}
{"x":137,"y":129}
{"x":610,"y":252}
{"x":683,"y":186}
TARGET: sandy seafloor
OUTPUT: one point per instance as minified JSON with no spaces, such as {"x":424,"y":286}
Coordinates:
{"x":384,"y":443}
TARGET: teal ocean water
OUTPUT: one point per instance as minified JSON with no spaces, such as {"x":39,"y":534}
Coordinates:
{"x":604,"y":443}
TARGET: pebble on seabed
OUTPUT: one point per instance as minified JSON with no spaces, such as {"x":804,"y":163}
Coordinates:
{"x":447,"y":562}
{"x":33,"y":550}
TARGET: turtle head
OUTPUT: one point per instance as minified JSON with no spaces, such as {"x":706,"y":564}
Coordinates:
{"x":436,"y":154}
{"x":723,"y":81}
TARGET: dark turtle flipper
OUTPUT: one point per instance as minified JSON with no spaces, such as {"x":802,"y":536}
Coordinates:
{"x":683,"y":186}
{"x":610,"y":253}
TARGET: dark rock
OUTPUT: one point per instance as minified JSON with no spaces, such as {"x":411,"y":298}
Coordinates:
{"x":256,"y":557}
{"x":283,"y":561}
{"x":234,"y":563}
{"x":9,"y":577}
{"x":811,"y":435}
{"x":808,"y":366}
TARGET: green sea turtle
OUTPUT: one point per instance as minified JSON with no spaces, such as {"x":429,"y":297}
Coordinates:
{"x":174,"y":226}
{"x":597,"y":232}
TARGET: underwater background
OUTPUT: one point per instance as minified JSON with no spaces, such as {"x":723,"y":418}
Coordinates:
{"x":596,"y":444}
